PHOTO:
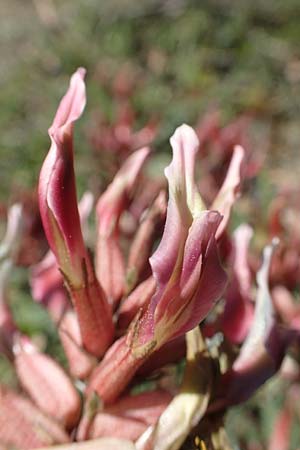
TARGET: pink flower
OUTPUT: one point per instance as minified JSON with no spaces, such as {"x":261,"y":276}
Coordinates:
{"x":186,"y":265}
{"x":59,"y":212}
{"x":238,"y":313}
{"x":187,"y":271}
{"x":110,"y":266}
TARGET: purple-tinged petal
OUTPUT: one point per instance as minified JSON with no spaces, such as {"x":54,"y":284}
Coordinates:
{"x":110,"y":266}
{"x":178,"y":264}
{"x":57,"y":191}
{"x":264,"y":320}
{"x":230,"y":189}
{"x":191,"y":293}
{"x":45,"y":276}
{"x":60,"y":217}
{"x":187,"y":271}
{"x":263,"y":350}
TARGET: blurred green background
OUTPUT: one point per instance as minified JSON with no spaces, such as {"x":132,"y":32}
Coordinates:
{"x":240,"y":56}
{"x":186,"y":57}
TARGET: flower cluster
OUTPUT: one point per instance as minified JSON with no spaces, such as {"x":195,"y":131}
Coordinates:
{"x":129,"y":310}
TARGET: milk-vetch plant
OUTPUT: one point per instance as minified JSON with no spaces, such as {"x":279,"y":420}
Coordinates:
{"x":127,"y":313}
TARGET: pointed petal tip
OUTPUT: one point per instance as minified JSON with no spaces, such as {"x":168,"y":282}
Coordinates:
{"x":71,"y":105}
{"x":186,"y":133}
{"x":239,"y":150}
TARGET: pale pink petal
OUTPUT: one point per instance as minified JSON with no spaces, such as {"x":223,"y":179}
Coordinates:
{"x":230,"y":189}
{"x":47,"y":384}
{"x":110,"y":266}
{"x":238,"y":313}
{"x":109,"y":425}
{"x":184,"y":203}
{"x":263,"y":350}
{"x":80,"y":362}
{"x":141,"y":247}
{"x":23,"y":425}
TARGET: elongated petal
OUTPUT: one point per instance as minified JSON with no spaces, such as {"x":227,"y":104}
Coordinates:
{"x":264,"y":319}
{"x":47,"y":384}
{"x":57,"y":191}
{"x":185,"y":266}
{"x":80,"y":362}
{"x":230,"y":188}
{"x":23,"y":426}
{"x":45,"y":276}
{"x":238,"y":313}
{"x":93,"y":313}
{"x":60,"y":216}
{"x":110,"y":266}
{"x":141,"y":247}
{"x":115,"y":199}
{"x":186,"y":269}
{"x":184,"y":203}
{"x":263,"y":350}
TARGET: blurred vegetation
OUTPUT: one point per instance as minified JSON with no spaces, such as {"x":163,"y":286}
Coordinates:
{"x":237,"y":55}
{"x":187,"y":56}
